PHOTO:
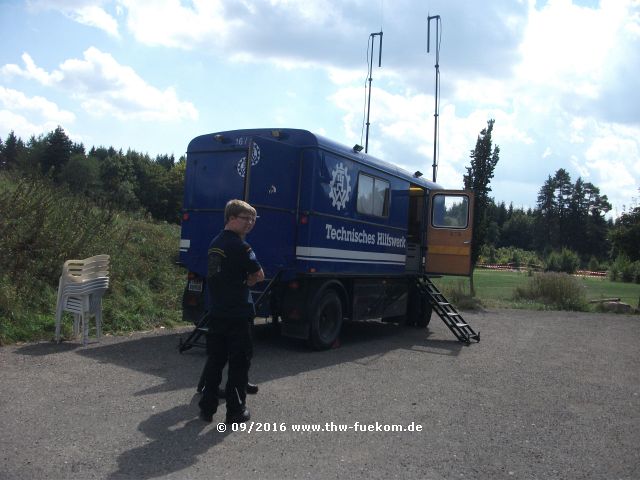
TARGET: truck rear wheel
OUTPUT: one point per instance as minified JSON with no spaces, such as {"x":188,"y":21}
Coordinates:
{"x":425,"y":315}
{"x":326,"y":321}
{"x":418,"y":311}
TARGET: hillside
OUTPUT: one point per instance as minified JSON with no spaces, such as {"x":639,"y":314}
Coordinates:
{"x":42,"y":225}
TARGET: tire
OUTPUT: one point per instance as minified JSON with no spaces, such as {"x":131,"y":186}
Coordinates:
{"x":192,"y":313}
{"x":425,"y":315}
{"x":326,"y":321}
{"x":418,"y":311}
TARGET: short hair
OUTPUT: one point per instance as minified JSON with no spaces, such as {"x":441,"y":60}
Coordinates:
{"x":235,"y":208}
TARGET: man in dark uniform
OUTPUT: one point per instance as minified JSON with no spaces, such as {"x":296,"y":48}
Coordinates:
{"x":232,"y":269}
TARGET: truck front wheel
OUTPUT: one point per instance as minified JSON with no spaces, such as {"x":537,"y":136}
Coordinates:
{"x":326,"y":321}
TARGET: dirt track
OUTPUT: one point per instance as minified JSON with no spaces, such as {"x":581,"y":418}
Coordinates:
{"x":544,"y":395}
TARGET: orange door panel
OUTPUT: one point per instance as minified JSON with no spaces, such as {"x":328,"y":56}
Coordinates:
{"x":449,"y":232}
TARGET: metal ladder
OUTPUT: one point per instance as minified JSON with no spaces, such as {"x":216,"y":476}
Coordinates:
{"x":449,"y":315}
{"x":202,"y":325}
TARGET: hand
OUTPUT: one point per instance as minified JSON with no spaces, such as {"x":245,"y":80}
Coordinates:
{"x":254,"y":278}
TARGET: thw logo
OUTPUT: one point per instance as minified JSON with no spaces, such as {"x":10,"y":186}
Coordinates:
{"x":340,"y":187}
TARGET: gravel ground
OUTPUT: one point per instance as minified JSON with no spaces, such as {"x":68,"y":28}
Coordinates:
{"x":546,"y":395}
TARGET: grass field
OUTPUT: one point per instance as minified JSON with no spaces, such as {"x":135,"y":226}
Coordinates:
{"x":495,"y":289}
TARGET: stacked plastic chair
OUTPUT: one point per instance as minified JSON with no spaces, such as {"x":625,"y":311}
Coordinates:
{"x":80,"y":290}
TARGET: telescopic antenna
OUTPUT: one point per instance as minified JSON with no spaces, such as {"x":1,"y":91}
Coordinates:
{"x":436,"y":113}
{"x":370,"y":59}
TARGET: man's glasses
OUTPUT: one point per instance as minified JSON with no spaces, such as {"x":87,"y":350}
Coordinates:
{"x":248,"y":219}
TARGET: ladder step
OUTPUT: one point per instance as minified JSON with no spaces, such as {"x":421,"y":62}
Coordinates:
{"x":447,"y":312}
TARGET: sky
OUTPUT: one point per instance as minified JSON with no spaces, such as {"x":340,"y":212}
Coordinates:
{"x":561,"y":78}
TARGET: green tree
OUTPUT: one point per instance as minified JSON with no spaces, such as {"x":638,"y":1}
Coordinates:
{"x":3,"y":161}
{"x":578,"y":218}
{"x":166,"y":161}
{"x":12,"y":151}
{"x":82,"y":175}
{"x":31,"y":161}
{"x":518,"y":231}
{"x":546,"y":213}
{"x":78,"y":149}
{"x":484,"y":159}
{"x":57,"y":152}
{"x":118,"y":181}
{"x":625,"y":235}
{"x":597,"y":227}
{"x":101,"y":153}
{"x":571,"y":216}
{"x":152,"y":185}
{"x":563,"y":194}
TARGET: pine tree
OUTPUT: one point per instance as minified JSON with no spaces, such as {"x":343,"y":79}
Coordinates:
{"x":563,"y":193}
{"x":57,"y":152}
{"x":2,"y":158}
{"x":477,"y":179}
{"x":12,"y":150}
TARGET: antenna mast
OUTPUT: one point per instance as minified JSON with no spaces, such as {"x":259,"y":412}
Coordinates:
{"x":370,"y":59}
{"x":436,"y":113}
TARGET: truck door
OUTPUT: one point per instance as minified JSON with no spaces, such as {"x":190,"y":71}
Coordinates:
{"x":271,"y":186}
{"x":449,"y":232}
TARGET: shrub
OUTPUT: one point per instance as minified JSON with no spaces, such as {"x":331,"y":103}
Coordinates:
{"x":565,"y":261}
{"x":552,"y":264}
{"x":41,"y":226}
{"x":488,"y":254}
{"x":623,"y":269}
{"x":503,"y":255}
{"x":558,"y":290}
{"x":458,"y":296}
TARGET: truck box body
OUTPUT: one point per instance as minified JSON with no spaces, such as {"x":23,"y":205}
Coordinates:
{"x":327,"y":213}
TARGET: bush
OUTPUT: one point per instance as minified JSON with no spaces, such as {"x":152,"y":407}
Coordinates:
{"x":488,"y":254}
{"x":623,"y":269}
{"x":565,"y":261}
{"x":558,"y":290}
{"x":508,"y":255}
{"x":41,"y":226}
{"x":458,"y":296}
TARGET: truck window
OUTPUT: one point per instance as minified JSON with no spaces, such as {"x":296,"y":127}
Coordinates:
{"x":450,"y":211}
{"x":373,"y":196}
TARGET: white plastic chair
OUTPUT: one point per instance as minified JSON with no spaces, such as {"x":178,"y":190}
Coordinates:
{"x":80,"y":290}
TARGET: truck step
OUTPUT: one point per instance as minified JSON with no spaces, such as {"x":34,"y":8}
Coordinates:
{"x":447,"y":312}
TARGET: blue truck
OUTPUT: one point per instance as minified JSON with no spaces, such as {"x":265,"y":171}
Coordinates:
{"x":341,"y":235}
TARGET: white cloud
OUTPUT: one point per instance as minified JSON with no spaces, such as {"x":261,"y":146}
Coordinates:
{"x":104,"y":87}
{"x":21,"y":126}
{"x":171,"y":24}
{"x":27,"y":116}
{"x":16,"y":101}
{"x":565,"y":45}
{"x":94,"y":16}
{"x":85,"y":12}
{"x":583,"y":57}
{"x":30,"y":71}
{"x":557,"y":77}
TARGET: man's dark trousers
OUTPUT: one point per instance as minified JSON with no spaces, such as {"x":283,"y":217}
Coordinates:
{"x":228,"y":339}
